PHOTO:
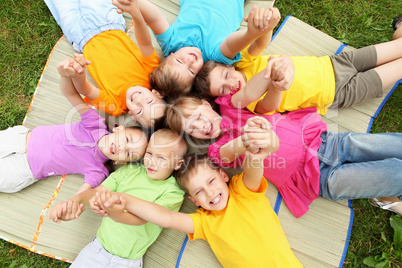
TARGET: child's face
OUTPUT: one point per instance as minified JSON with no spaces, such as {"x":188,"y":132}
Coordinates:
{"x":144,"y":105}
{"x":208,"y":187}
{"x":186,"y":62}
{"x":224,"y":80}
{"x":162,"y":157}
{"x":124,"y":144}
{"x":203,"y":123}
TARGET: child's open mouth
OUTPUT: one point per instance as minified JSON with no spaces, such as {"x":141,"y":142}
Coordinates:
{"x":209,"y":131}
{"x":216,"y":199}
{"x":134,"y":95}
{"x":194,"y":56}
{"x":113,"y":148}
{"x":151,"y":170}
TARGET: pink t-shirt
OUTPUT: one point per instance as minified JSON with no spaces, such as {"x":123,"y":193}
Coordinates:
{"x":69,"y":149}
{"x":294,"y":167}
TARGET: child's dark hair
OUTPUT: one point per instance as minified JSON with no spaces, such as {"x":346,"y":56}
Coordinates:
{"x":191,"y":163}
{"x":167,"y":83}
{"x":202,"y":83}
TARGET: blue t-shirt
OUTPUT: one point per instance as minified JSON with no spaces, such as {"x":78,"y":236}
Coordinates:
{"x":203,"y":24}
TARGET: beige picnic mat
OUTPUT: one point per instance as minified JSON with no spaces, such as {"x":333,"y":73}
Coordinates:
{"x":318,"y":239}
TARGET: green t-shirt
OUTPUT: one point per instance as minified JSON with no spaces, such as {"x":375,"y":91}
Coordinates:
{"x":127,"y":241}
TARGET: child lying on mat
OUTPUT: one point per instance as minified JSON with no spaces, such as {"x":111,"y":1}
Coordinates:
{"x":202,"y":31}
{"x":83,"y":147}
{"x":336,"y":81}
{"x":117,"y":65}
{"x":125,"y":244}
{"x":310,"y":161}
{"x":235,"y":217}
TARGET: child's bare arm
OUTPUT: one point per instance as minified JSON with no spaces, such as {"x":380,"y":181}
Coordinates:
{"x":239,"y":40}
{"x":150,"y":12}
{"x":73,"y":82}
{"x":281,"y":72}
{"x":65,"y":211}
{"x":232,"y":150}
{"x":261,"y":142}
{"x":73,"y":207}
{"x":66,"y":70}
{"x":155,"y":213}
{"x":254,"y":89}
{"x":260,"y":44}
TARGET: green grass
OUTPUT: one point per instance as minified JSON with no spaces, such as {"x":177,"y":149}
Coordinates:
{"x":28,"y":33}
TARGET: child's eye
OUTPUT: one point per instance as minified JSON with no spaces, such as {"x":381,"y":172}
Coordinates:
{"x":211,"y":181}
{"x":139,"y":112}
{"x":226,"y":75}
{"x":150,"y":101}
{"x":179,"y":61}
{"x":126,"y":139}
{"x":191,"y":71}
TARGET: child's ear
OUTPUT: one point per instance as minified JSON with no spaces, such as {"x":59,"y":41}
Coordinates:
{"x":224,"y":175}
{"x":205,"y":102}
{"x":178,"y":164}
{"x":193,"y":200}
{"x":118,"y":128}
{"x":157,"y":93}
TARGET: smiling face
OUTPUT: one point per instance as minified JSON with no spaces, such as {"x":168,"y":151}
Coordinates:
{"x":224,"y":80}
{"x":145,"y":105}
{"x":186,"y":63}
{"x":124,"y":144}
{"x":203,"y":123}
{"x":164,"y":154}
{"x":208,"y":187}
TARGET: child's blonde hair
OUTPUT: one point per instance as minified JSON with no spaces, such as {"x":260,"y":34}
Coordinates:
{"x":191,"y":163}
{"x":165,"y":136}
{"x":182,"y":107}
{"x":202,"y":83}
{"x":167,"y":82}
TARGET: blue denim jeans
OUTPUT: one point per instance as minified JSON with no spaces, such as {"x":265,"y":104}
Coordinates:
{"x":357,"y":166}
{"x":81,"y":20}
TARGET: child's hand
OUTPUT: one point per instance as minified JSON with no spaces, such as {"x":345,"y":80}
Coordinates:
{"x":125,"y":5}
{"x":96,"y":207}
{"x":73,"y":67}
{"x":96,"y":203}
{"x":256,"y":134}
{"x":262,"y":21}
{"x":281,"y":71}
{"x":66,"y":210}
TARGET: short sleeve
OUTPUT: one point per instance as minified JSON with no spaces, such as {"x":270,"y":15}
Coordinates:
{"x":237,"y":184}
{"x":172,"y":199}
{"x":96,"y":177}
{"x":197,"y":221}
{"x":115,"y":178}
{"x":164,"y":41}
{"x":91,"y":118}
{"x":106,"y":103}
{"x":219,"y":57}
{"x":151,"y":62}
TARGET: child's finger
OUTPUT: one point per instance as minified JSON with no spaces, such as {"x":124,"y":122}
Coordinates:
{"x":267,"y":17}
{"x":269,"y":67}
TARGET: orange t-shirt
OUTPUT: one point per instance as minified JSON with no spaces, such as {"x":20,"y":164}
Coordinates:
{"x":116,"y":65}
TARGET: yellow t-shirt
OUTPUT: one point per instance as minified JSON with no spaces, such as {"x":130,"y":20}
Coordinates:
{"x":313,"y":85}
{"x":116,"y":65}
{"x":247,"y":233}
